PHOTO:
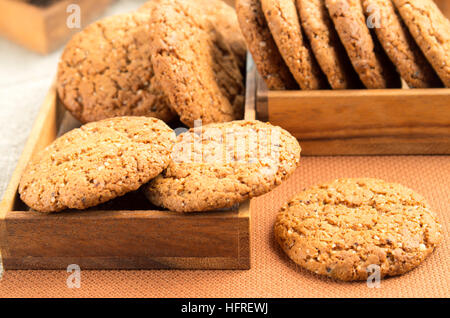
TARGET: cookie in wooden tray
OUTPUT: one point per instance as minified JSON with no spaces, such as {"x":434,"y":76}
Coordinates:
{"x":326,"y":45}
{"x":106,"y":71}
{"x":223,"y":17}
{"x":368,"y":59}
{"x":399,"y":44}
{"x":348,"y":228}
{"x":431,"y":30}
{"x":262,"y":46}
{"x":195,"y":65}
{"x":284,"y":24}
{"x":219,"y":165}
{"x":96,"y":163}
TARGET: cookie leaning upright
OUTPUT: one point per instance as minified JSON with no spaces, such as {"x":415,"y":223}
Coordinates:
{"x":345,"y":228}
{"x":106,"y":71}
{"x":284,"y":24}
{"x":370,"y":62}
{"x":224,"y":18}
{"x":262,"y":46}
{"x":431,"y":30}
{"x":218,"y":165}
{"x":96,"y":163}
{"x":400,"y":46}
{"x":325,"y":44}
{"x":194,"y":64}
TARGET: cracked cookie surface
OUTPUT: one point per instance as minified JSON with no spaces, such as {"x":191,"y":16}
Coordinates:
{"x":284,"y":24}
{"x":219,"y":165}
{"x":368,"y":59}
{"x":96,"y":163}
{"x":106,"y":71}
{"x":400,"y":46}
{"x":224,"y":18}
{"x":338,"y":229}
{"x":261,"y":45}
{"x":195,"y":65}
{"x":431,"y":30}
{"x":325,"y":43}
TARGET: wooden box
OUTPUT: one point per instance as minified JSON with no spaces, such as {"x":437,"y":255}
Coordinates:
{"x":358,"y":122}
{"x":40,"y":25}
{"x":121,"y":234}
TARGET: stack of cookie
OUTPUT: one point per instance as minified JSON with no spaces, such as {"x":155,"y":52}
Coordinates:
{"x":125,"y":77}
{"x":207,"y":168}
{"x":347,"y":44}
{"x":169,"y":59}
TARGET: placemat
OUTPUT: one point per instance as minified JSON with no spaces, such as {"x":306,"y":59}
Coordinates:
{"x":272,"y":273}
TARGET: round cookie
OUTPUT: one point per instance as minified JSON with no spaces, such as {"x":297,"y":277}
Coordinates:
{"x":105,"y":71}
{"x":370,"y":62}
{"x":325,"y":44}
{"x":218,"y":165}
{"x":96,"y":163}
{"x":400,"y":46}
{"x":262,"y":46}
{"x":224,"y":18}
{"x":194,"y":65}
{"x":431,"y":31}
{"x":284,"y":24}
{"x":339,"y":229}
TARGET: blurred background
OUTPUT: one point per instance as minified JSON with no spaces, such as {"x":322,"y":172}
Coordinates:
{"x":32,"y":35}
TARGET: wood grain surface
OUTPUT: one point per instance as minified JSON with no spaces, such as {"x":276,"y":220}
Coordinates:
{"x":125,"y":233}
{"x":360,"y":122}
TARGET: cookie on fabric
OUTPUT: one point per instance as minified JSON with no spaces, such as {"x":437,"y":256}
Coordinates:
{"x":195,"y":65}
{"x":339,"y":229}
{"x":326,"y":46}
{"x":224,"y":18}
{"x":106,"y":71}
{"x":96,"y":163}
{"x":368,"y":59}
{"x":400,"y":46}
{"x":261,"y":45}
{"x":431,"y":31}
{"x":219,"y":165}
{"x":284,"y":24}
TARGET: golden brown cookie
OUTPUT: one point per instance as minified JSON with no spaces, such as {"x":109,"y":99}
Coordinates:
{"x":195,"y":65}
{"x":219,"y":165}
{"x":262,"y":46}
{"x":431,"y":30}
{"x":224,"y":18}
{"x":96,"y":163}
{"x":344,"y":228}
{"x":325,"y":44}
{"x":370,"y":62}
{"x":399,"y":44}
{"x":106,"y":71}
{"x":284,"y":24}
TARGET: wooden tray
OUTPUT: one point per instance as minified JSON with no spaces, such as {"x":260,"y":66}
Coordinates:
{"x":42,"y":28}
{"x":358,"y":122}
{"x":121,"y":234}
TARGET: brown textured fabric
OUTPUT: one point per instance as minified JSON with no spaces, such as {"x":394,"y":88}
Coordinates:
{"x":272,"y":273}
